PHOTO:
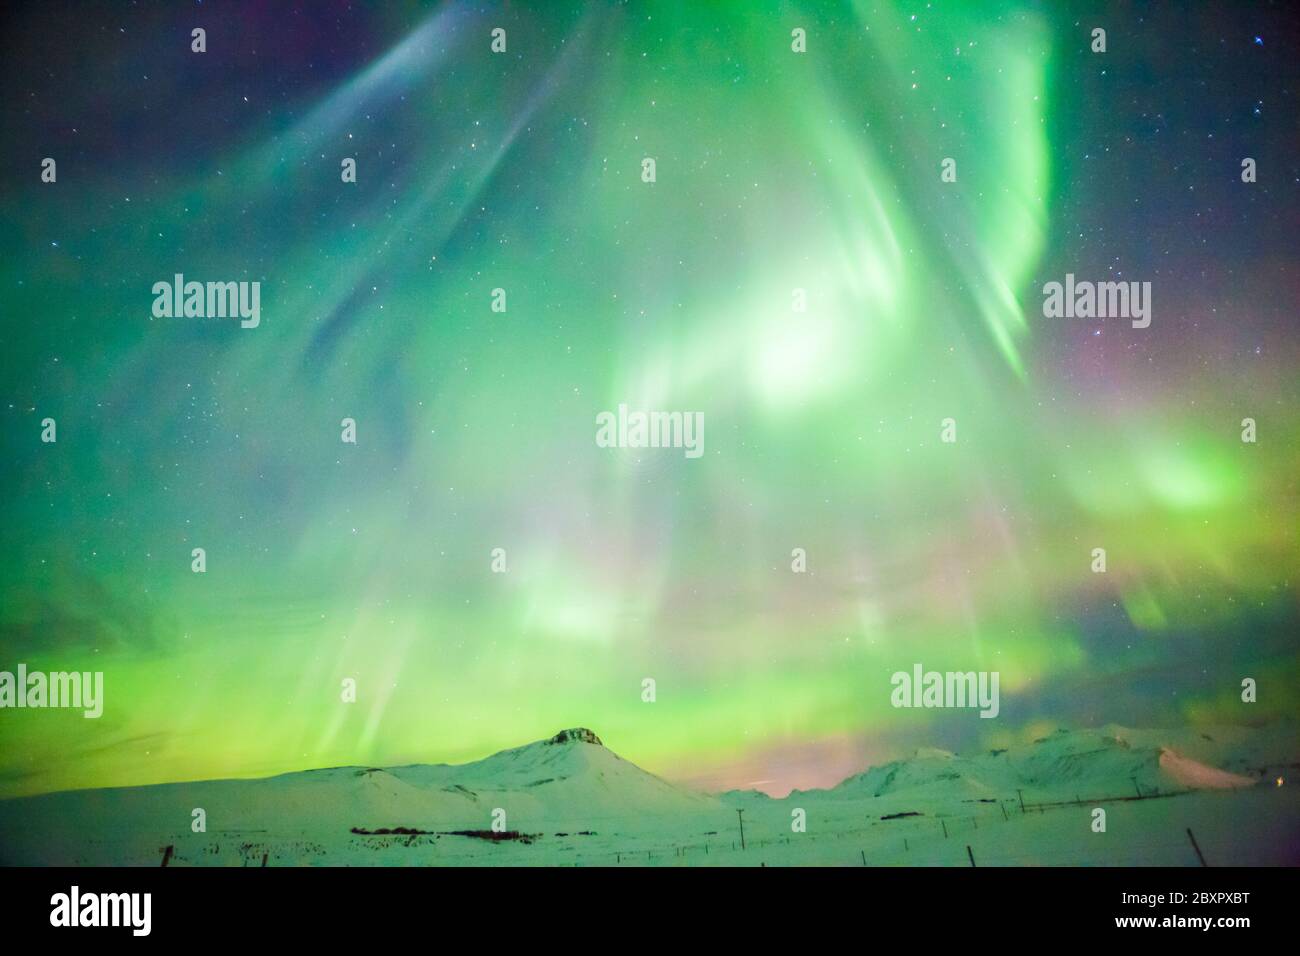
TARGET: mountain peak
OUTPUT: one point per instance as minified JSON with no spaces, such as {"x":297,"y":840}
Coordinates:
{"x":576,"y":733}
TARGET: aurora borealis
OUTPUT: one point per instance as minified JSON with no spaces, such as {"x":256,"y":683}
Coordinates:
{"x":776,"y":171}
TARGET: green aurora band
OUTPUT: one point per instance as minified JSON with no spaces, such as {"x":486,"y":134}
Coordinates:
{"x":775,"y":172}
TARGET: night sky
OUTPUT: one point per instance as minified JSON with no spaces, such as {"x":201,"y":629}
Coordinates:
{"x":775,"y":171}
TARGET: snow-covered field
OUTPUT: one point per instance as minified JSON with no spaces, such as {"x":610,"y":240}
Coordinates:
{"x":572,"y":801}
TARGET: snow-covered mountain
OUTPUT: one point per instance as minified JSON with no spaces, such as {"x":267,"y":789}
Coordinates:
{"x":569,"y":799}
{"x":572,"y":778}
{"x":568,"y":782}
{"x":1065,"y":765}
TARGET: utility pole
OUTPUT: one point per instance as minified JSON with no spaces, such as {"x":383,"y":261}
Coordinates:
{"x":741,"y":814}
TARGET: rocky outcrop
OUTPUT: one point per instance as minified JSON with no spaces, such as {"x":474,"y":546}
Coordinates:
{"x":576,"y":734}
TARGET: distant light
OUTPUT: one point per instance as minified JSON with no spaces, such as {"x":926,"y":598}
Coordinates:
{"x":1280,"y":781}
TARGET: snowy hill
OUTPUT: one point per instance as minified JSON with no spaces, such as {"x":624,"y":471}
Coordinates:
{"x":571,"y":778}
{"x":570,"y":800}
{"x":1066,"y":765}
{"x":1063,"y":765}
{"x":570,"y":781}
